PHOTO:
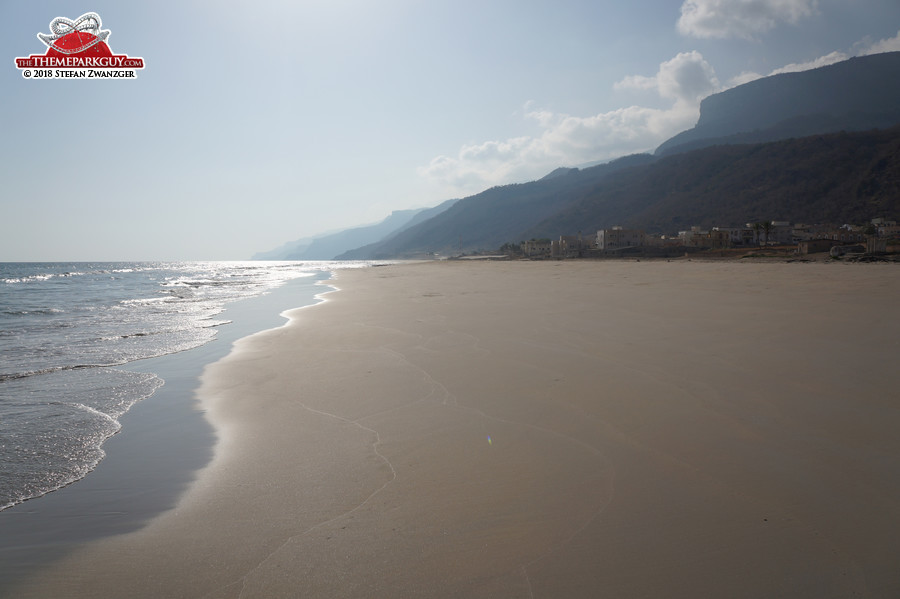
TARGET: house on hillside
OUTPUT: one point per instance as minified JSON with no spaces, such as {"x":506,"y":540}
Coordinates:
{"x":886,"y":228}
{"x":782,"y":233}
{"x":749,"y":236}
{"x":735,"y":235}
{"x":618,"y":238}
{"x":568,"y":246}
{"x":845,"y":234}
{"x":534,"y":248}
{"x":694,"y":237}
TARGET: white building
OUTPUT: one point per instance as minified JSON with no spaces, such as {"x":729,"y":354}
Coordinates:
{"x":617,"y":237}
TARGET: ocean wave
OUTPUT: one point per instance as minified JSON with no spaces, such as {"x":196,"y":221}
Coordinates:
{"x":196,"y":283}
{"x":114,"y":314}
{"x":12,"y":376}
{"x":28,"y":279}
{"x":116,"y":424}
{"x":144,"y":301}
{"x":129,"y":335}
{"x":65,"y":436}
{"x":35,"y":278}
{"x":39,"y":311}
{"x":215,"y":323}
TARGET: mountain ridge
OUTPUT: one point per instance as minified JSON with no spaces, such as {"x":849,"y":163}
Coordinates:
{"x":478,"y":221}
{"x":770,"y":149}
{"x":329,"y":245}
{"x":827,"y":98}
{"x":839,"y":177}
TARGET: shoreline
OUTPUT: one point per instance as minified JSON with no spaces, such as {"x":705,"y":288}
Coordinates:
{"x":542,"y":429}
{"x":139,"y":477}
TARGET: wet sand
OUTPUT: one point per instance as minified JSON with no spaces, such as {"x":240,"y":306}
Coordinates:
{"x":556,"y":429}
{"x":164,"y":441}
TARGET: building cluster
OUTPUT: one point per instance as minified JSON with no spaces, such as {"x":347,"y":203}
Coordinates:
{"x":808,"y":239}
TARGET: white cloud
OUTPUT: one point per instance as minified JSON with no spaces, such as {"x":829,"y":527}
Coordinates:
{"x":636,"y":82}
{"x":744,"y":77}
{"x":684,"y":80}
{"x":795,"y":67}
{"x":891,"y":44}
{"x":687,"y":78}
{"x":740,"y":18}
{"x":565,"y":141}
{"x":568,"y":140}
{"x":821,"y":61}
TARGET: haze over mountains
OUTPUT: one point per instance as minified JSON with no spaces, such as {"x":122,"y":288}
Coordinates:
{"x":330,"y":245}
{"x":816,"y":146}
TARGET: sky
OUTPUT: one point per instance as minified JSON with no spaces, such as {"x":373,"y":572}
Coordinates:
{"x":257,"y":123}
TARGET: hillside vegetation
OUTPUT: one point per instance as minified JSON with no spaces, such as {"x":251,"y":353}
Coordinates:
{"x":840,"y":178}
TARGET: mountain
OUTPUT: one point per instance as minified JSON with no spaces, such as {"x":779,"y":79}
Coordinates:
{"x":497,"y":215}
{"x":326,"y":247}
{"x":560,"y":172}
{"x":854,"y":95}
{"x":286,"y":249}
{"x":329,"y":246}
{"x":838,"y":178}
{"x":364,"y":252}
{"x":765,"y":150}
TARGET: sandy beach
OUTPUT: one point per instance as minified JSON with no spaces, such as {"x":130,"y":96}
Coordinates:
{"x":543,"y":429}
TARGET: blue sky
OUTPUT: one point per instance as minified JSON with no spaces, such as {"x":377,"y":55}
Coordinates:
{"x":256,"y":123}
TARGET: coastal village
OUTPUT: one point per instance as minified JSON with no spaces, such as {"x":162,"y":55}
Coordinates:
{"x":878,"y":237}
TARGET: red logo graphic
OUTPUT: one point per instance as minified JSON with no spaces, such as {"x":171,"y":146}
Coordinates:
{"x":78,"y":49}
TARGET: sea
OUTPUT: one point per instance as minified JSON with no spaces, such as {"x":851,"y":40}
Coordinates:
{"x":71,"y":337}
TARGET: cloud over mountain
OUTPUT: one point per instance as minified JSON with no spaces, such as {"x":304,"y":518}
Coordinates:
{"x":682,"y":82}
{"x":686,"y":78}
{"x":570,"y":140}
{"x":891,"y":44}
{"x":740,"y":18}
